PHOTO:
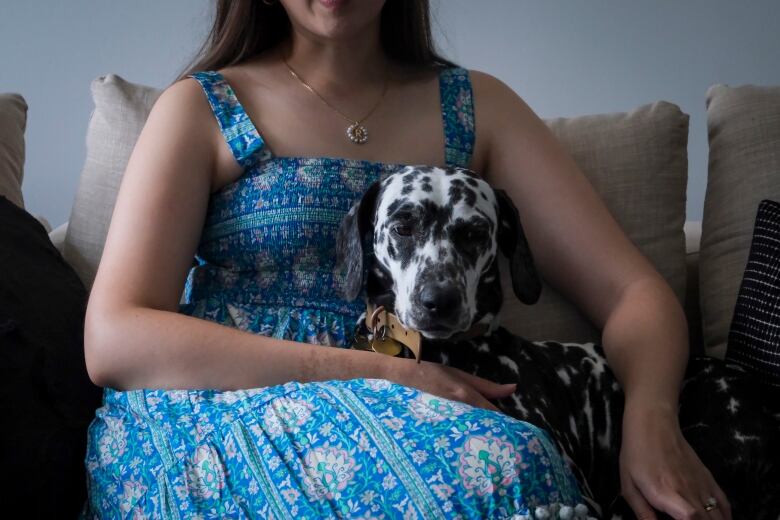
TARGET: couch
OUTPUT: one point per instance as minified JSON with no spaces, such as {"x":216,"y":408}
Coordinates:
{"x":637,"y":161}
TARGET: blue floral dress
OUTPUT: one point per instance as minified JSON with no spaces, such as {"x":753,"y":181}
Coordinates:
{"x":360,"y":448}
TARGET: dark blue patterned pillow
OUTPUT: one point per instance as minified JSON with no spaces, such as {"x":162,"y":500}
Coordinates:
{"x":754,"y":336}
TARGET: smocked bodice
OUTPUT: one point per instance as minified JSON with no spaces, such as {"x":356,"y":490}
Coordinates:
{"x":266,"y":258}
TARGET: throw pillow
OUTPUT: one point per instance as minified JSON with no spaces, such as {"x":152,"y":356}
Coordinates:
{"x":744,"y":139}
{"x":121,"y":109}
{"x":46,"y":397}
{"x":13,"y":119}
{"x":754,"y":335}
{"x":638,"y":164}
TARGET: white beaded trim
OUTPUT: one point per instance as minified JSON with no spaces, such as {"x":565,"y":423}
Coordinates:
{"x":555,"y":511}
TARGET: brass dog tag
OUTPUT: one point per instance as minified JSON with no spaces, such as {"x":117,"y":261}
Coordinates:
{"x":361,"y":343}
{"x":387,"y":346}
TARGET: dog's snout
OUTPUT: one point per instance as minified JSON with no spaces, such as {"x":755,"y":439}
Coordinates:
{"x":439,"y":301}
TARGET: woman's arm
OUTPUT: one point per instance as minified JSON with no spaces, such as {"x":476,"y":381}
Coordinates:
{"x":580,"y":249}
{"x":134,"y":336}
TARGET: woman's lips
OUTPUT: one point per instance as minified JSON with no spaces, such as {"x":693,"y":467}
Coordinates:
{"x":333,"y":4}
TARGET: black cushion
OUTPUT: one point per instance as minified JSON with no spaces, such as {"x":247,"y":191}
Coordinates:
{"x":46,"y":397}
{"x":754,"y":335}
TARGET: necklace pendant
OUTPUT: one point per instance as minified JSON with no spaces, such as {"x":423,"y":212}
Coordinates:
{"x":357,"y":133}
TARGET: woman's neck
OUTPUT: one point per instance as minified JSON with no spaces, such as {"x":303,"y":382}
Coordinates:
{"x":338,"y":66}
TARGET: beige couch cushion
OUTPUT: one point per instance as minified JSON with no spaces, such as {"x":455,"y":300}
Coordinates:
{"x":13,"y":120}
{"x":744,"y":168}
{"x":121,"y":109}
{"x":638,"y":163}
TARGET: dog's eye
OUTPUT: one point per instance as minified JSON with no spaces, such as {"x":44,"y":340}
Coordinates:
{"x":403,"y":230}
{"x":476,"y":234}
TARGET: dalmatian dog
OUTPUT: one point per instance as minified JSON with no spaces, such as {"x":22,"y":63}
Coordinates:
{"x":424,"y":244}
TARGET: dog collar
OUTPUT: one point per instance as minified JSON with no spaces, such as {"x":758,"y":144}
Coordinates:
{"x":379,"y":319}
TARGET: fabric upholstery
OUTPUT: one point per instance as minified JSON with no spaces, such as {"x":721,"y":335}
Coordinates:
{"x":13,"y":120}
{"x":637,"y":162}
{"x":121,"y":109}
{"x":744,"y":168}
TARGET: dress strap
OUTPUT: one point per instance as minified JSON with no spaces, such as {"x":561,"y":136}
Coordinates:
{"x":238,"y":130}
{"x":457,"y":110}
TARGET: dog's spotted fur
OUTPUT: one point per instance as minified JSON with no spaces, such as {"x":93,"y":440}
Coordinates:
{"x":438,"y":231}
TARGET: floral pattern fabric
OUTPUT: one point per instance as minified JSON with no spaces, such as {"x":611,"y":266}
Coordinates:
{"x":360,"y":448}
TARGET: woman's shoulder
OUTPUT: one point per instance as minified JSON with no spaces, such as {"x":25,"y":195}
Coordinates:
{"x":184,"y":99}
{"x":183,"y":107}
{"x":184,"y":117}
{"x":496,"y":102}
{"x":498,"y":112}
{"x":489,"y":88}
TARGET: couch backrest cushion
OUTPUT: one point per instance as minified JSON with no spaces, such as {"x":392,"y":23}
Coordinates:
{"x":744,"y":168}
{"x":121,"y":109}
{"x":13,"y":120}
{"x":637,"y":161}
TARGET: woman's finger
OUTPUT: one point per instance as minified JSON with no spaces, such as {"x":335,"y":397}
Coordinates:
{"x":722,"y":506}
{"x":705,"y":489}
{"x":497,"y":392}
{"x":676,"y":506}
{"x":722,"y":509}
{"x":719,"y":513}
{"x":469,"y":395}
{"x":488,"y":389}
{"x":723,"y":502}
{"x":637,"y":502}
{"x":484,"y":403}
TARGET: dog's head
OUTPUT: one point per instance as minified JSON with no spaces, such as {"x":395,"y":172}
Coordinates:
{"x":435,"y":234}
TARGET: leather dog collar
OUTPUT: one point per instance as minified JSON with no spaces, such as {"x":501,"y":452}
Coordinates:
{"x":378,"y":318}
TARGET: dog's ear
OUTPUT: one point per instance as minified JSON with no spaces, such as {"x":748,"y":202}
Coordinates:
{"x":513,"y":244}
{"x":349,"y":242}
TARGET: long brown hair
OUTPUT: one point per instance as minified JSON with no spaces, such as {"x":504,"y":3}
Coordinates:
{"x":244,"y":28}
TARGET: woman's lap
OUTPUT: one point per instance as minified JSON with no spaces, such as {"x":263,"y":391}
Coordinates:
{"x":357,"y":448}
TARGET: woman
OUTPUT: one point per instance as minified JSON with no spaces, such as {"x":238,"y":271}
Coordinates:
{"x":333,"y":95}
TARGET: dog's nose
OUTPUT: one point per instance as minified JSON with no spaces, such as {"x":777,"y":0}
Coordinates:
{"x":441,"y":302}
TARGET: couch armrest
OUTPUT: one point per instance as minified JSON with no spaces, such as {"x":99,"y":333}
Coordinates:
{"x":57,"y":236}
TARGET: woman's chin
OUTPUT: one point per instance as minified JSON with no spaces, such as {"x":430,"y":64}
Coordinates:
{"x":336,"y":19}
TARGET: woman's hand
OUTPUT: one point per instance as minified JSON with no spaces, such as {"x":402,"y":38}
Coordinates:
{"x":447,"y":382}
{"x":659,"y":469}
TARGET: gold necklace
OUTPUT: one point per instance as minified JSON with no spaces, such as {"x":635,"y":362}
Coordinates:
{"x":356,"y":131}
